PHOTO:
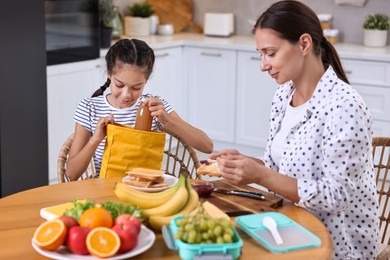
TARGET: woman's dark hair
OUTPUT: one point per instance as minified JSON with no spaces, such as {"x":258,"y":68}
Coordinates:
{"x":290,"y":19}
{"x":133,"y":52}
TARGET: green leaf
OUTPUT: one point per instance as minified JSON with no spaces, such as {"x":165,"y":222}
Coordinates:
{"x":118,"y":208}
{"x":79,"y":207}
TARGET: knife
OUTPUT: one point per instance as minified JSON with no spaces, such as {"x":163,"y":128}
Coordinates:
{"x":249,"y":194}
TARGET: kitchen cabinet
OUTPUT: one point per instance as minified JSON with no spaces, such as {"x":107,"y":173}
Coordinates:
{"x":167,"y":78}
{"x":255,"y":91}
{"x":372,"y":80}
{"x":211,"y":79}
{"x":67,"y":84}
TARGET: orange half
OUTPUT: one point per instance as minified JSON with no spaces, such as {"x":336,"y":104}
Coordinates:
{"x":50,"y":234}
{"x":103,"y":242}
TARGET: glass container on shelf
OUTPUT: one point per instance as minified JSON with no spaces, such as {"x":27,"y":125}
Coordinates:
{"x":117,"y":24}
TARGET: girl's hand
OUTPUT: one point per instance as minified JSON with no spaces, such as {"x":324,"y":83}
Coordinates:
{"x":100,"y":131}
{"x":157,"y":109}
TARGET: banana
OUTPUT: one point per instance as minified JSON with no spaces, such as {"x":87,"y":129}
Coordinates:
{"x":193,"y":202}
{"x":173,"y":205}
{"x":144,"y":200}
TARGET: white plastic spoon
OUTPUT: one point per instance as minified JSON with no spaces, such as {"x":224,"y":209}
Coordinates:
{"x":271,"y":225}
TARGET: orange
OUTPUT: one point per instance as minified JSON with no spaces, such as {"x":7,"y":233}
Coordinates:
{"x":96,"y":217}
{"x":103,"y":242}
{"x":50,"y":234}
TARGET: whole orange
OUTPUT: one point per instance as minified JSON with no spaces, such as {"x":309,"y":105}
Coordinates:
{"x":96,"y":217}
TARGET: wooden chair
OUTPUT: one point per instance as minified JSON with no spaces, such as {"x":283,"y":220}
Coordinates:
{"x":381,"y":155}
{"x":61,"y":163}
{"x":177,"y":154}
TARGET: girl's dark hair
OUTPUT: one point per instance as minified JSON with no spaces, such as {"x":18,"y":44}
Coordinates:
{"x":290,"y":19}
{"x":125,"y":51}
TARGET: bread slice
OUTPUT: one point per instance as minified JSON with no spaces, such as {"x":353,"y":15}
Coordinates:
{"x":147,"y":174}
{"x":209,"y":168}
{"x":145,"y":183}
{"x":146,"y":178}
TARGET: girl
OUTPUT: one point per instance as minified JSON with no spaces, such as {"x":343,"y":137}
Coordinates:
{"x":129,"y":66}
{"x":318,"y":153}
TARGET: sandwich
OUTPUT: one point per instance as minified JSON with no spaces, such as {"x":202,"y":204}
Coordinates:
{"x":210,"y":168}
{"x":146,"y":178}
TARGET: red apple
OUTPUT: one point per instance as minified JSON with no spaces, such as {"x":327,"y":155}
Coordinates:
{"x":128,"y":235}
{"x":128,"y":219}
{"x":69,"y":223}
{"x":76,"y":240}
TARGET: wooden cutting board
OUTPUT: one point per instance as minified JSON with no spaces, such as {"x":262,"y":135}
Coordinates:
{"x":234,"y":205}
{"x":176,"y":12}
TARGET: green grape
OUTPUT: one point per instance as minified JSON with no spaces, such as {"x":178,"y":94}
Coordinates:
{"x":217,"y":230}
{"x":179,"y":234}
{"x":185,"y":237}
{"x":205,"y":236}
{"x":201,"y":228}
{"x":211,"y":223}
{"x":228,"y":231}
{"x":203,"y":225}
{"x":198,"y":238}
{"x":227,"y":238}
{"x":220,"y":240}
{"x":192,"y":235}
{"x":188,"y":227}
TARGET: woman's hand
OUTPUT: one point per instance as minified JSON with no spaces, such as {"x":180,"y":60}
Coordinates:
{"x":101,"y":131}
{"x":236,"y":167}
{"x":157,"y":109}
{"x":223,"y":153}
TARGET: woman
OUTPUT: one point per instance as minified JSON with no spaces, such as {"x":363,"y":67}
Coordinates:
{"x":318,"y":153}
{"x":129,"y":66}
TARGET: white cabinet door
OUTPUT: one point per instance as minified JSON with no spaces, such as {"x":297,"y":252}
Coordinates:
{"x":67,"y":84}
{"x":166,"y":79}
{"x":211,"y":83}
{"x":255,"y":90}
{"x":372,"y":80}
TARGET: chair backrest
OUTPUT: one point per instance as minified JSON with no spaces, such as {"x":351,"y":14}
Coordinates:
{"x":381,"y":155}
{"x":61,"y":163}
{"x":177,"y":155}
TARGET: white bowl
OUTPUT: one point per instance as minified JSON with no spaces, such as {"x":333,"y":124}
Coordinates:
{"x":165,"y":29}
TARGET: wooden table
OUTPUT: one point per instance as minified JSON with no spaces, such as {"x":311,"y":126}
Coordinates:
{"x":19,"y":217}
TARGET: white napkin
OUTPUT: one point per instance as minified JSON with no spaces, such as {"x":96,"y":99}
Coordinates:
{"x":351,"y":2}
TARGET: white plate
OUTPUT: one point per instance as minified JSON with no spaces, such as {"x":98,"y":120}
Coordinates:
{"x":168,"y":179}
{"x":146,"y":239}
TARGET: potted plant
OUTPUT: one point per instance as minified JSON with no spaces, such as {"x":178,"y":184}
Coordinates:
{"x":137,"y":20}
{"x":375,"y":30}
{"x":107,"y":15}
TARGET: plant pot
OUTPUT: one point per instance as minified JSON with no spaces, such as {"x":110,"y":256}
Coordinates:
{"x":105,"y":37}
{"x":137,"y":26}
{"x":375,"y":38}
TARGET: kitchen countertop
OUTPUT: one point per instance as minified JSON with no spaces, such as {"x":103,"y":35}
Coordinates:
{"x":247,"y":43}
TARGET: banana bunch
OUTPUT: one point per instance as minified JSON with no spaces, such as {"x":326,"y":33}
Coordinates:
{"x":161,"y":207}
{"x":192,"y":203}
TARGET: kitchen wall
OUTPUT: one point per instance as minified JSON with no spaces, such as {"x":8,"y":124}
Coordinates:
{"x":348,"y":19}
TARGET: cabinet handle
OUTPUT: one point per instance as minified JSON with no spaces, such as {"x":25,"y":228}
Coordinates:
{"x":211,"y":54}
{"x":255,"y":58}
{"x":162,"y":55}
{"x":348,"y":72}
